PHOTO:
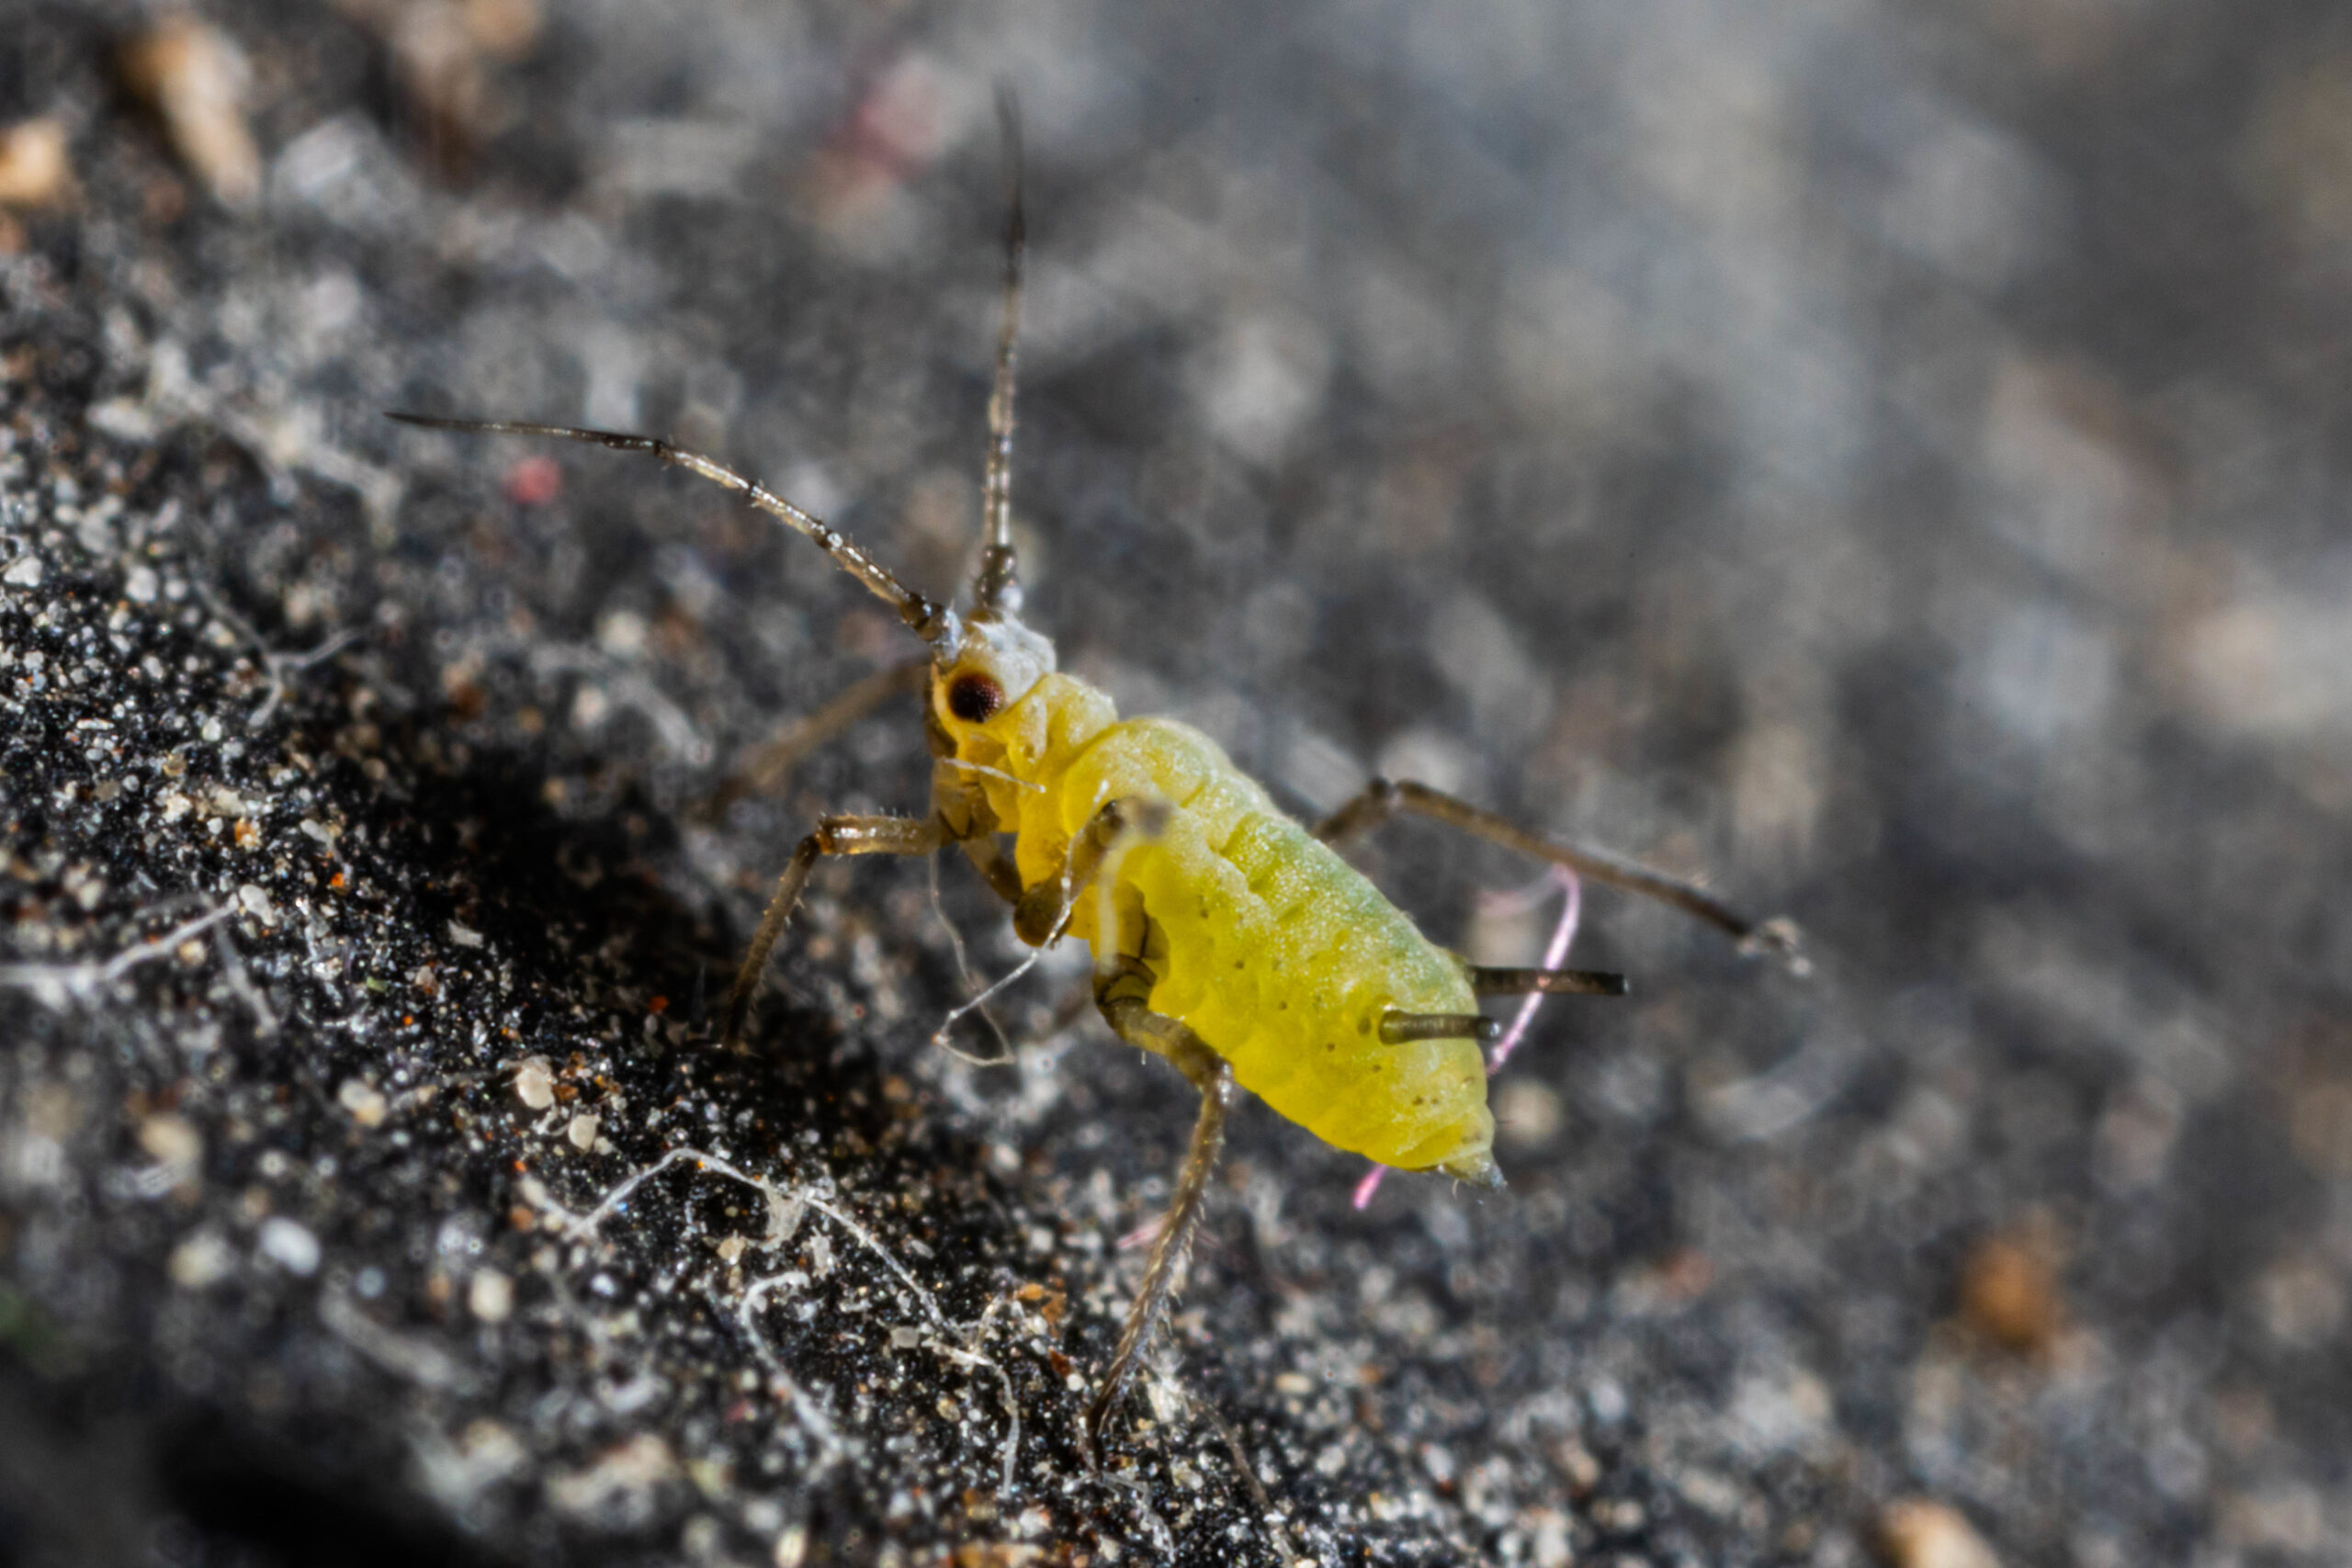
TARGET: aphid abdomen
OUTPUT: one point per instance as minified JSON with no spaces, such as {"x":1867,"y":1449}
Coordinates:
{"x":1276,"y":953}
{"x":1331,"y":956}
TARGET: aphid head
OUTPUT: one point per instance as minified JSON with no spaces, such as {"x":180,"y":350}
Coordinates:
{"x":987,"y":670}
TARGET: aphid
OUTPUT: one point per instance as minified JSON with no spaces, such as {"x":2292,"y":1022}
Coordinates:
{"x":1228,"y":938}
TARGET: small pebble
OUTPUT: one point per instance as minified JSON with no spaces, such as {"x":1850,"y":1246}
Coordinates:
{"x":288,"y":1245}
{"x":2008,"y":1292}
{"x":1917,"y":1533}
{"x":34,"y":168}
{"x":625,"y":1475}
{"x":583,"y":1131}
{"x":1527,"y":1113}
{"x":364,"y":1101}
{"x":202,"y":1260}
{"x":171,"y":1141}
{"x":534,"y":481}
{"x":194,"y":81}
{"x":535,"y":1083}
{"x":489,"y":1296}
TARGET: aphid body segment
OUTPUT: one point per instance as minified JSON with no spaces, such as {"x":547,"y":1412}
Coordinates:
{"x":1230,"y":916}
{"x":1228,"y":938}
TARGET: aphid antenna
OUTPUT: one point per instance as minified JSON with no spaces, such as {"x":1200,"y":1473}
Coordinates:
{"x":996,"y":589}
{"x":935,"y":623}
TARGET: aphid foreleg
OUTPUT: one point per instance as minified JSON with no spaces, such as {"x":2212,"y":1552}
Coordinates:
{"x":1384,"y":798}
{"x":996,"y":868}
{"x":1091,"y":863}
{"x":767,"y":768}
{"x":1138,"y":1025}
{"x":834,"y":836}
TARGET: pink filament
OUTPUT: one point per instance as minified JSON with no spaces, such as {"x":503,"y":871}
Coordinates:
{"x":1554,"y":954}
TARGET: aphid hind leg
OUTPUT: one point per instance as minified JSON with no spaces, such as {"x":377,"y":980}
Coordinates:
{"x":834,"y":836}
{"x":1135,"y":1023}
{"x":1492,"y":982}
{"x":1384,"y":798}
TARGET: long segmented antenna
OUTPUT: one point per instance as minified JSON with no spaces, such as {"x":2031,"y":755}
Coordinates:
{"x":997,"y":591}
{"x":934,"y":623}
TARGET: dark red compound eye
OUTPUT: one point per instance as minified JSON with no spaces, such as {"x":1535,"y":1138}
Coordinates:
{"x":973,"y":698}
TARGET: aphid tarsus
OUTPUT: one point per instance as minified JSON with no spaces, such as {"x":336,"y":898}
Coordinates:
{"x":1228,"y":938}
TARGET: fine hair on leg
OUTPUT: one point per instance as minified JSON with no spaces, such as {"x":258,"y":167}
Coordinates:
{"x":1384,"y":798}
{"x":834,"y":836}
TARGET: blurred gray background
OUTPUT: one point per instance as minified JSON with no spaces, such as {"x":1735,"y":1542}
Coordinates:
{"x":1887,"y":457}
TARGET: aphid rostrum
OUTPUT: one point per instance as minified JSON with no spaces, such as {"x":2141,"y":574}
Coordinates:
{"x":1228,"y":937}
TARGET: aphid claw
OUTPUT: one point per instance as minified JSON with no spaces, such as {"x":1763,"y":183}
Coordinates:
{"x":1780,"y":938}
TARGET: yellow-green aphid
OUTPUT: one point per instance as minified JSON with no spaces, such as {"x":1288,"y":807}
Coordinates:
{"x":1227,"y":937}
{"x":1266,"y":944}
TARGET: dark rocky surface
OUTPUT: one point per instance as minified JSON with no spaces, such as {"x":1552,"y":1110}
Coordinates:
{"x":1888,"y":455}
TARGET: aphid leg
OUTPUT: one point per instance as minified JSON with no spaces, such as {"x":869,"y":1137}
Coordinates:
{"x":1116,"y":827}
{"x":767,"y":767}
{"x":834,"y":836}
{"x":996,"y":868}
{"x":1138,"y":1025}
{"x":1384,"y":798}
{"x":1489,"y":982}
